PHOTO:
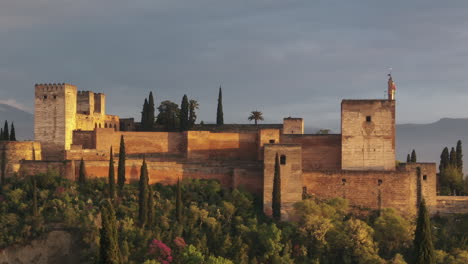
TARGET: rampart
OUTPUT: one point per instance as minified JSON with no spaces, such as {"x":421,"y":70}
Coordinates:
{"x":16,"y":151}
{"x":451,"y":205}
{"x":319,"y":152}
{"x":62,"y":168}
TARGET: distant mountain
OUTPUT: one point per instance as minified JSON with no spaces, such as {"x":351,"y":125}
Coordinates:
{"x":429,"y":139}
{"x":24,"y":121}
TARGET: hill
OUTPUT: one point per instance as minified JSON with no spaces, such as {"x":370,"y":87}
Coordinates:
{"x":24,"y":121}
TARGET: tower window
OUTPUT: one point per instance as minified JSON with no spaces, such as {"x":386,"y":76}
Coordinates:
{"x":343,"y":181}
{"x":55,"y":97}
{"x":283,"y":160}
{"x":45,"y":97}
{"x":368,"y":119}
{"x":379,"y":182}
{"x":272,"y":141}
{"x":424,"y":177}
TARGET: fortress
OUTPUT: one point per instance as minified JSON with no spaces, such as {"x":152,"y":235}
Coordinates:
{"x":359,"y":164}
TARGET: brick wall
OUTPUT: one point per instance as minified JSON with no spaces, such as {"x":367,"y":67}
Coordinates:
{"x":369,"y":189}
{"x":62,"y":168}
{"x":16,"y":151}
{"x":319,"y":152}
{"x":451,"y":205}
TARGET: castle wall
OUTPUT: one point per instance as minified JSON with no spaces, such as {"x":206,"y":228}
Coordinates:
{"x":221,"y":146}
{"x":54,"y":119}
{"x":319,"y":152}
{"x":141,"y":142}
{"x":290,"y":175}
{"x":451,"y":205}
{"x":90,"y":122}
{"x":64,"y":169}
{"x":15,"y":151}
{"x":100,"y":103}
{"x":367,"y":189}
{"x":267,"y":136}
{"x":368,"y":134}
{"x":85,"y":102}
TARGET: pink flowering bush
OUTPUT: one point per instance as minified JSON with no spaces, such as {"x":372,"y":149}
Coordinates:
{"x":161,"y":251}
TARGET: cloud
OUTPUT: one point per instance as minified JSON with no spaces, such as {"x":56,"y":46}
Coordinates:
{"x":15,"y":104}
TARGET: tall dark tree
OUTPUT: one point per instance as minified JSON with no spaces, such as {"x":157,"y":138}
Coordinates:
{"x":408,"y":158}
{"x":179,"y":203}
{"x":184,"y":114}
{"x":276,"y":195}
{"x":444,"y":160}
{"x":6,"y":134}
{"x":12,"y":132}
{"x":143,"y":195}
{"x":150,"y":217}
{"x":453,"y":157}
{"x":423,"y":245}
{"x":413,"y":156}
{"x":3,"y":165}
{"x":144,"y":114}
{"x":82,"y":172}
{"x":121,"y":167}
{"x":1,"y":134}
{"x":219,"y":112}
{"x":193,"y":106}
{"x":109,"y":240}
{"x":35,"y":211}
{"x":168,"y":115}
{"x":459,"y":156}
{"x":111,"y":176}
{"x":150,"y":114}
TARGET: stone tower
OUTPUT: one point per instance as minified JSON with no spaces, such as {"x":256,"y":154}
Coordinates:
{"x":55,"y":118}
{"x":368,"y":134}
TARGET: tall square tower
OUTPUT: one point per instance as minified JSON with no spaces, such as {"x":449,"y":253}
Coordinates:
{"x":368,"y":135}
{"x":54,"y":118}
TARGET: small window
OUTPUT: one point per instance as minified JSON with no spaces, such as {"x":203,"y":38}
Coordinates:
{"x":105,"y":125}
{"x":272,"y":141}
{"x":343,"y":181}
{"x":99,"y":125}
{"x":424,"y":177}
{"x":283,"y":160}
{"x":55,"y":97}
{"x":45,"y":97}
{"x":368,"y":119}
{"x":379,"y":182}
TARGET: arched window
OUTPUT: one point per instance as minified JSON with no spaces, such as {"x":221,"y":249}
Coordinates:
{"x":95,"y":125}
{"x":115,"y":127}
{"x":99,"y":125}
{"x":283,"y":159}
{"x":105,"y":125}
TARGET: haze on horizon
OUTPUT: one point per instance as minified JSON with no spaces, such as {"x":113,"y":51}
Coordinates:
{"x":284,"y":58}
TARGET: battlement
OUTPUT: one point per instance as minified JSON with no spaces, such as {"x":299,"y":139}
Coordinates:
{"x":50,"y":87}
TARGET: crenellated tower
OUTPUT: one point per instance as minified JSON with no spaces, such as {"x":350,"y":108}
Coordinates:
{"x":55,"y":118}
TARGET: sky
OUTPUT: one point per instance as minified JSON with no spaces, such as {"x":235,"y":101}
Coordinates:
{"x":284,"y":58}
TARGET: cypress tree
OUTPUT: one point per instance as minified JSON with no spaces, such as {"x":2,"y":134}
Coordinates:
{"x":413,"y":156}
{"x":144,"y":115}
{"x":459,"y":157}
{"x":179,"y":202}
{"x":453,"y":157}
{"x":121,"y":167}
{"x":423,"y":245}
{"x":82,"y":172}
{"x":276,"y":195}
{"x":34,"y":196}
{"x":219,"y":113}
{"x":3,"y":166}
{"x":143,"y":195}
{"x":6,"y":135}
{"x":184,"y":114}
{"x":150,"y":217}
{"x":12,"y":133}
{"x":150,"y":114}
{"x":1,"y":134}
{"x":111,"y":176}
{"x":109,"y":243}
{"x":408,"y":159}
{"x":444,"y":159}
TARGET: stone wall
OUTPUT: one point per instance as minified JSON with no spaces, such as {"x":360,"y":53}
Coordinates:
{"x":63,"y":168}
{"x":319,"y":152}
{"x":368,"y":134}
{"x":451,"y":205}
{"x":16,"y":151}
{"x":290,"y":174}
{"x":221,"y":146}
{"x":267,"y":136}
{"x":367,"y":189}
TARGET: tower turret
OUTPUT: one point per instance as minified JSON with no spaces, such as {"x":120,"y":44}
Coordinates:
{"x":391,"y":88}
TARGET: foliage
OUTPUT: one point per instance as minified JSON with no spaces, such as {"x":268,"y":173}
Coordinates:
{"x":393,"y":232}
{"x":109,"y":244}
{"x":256,"y":116}
{"x":219,"y":111}
{"x":143,"y":195}
{"x":111,"y":174}
{"x":184,"y":114}
{"x":276,"y":195}
{"x":12,"y":133}
{"x":193,"y":106}
{"x":423,"y":245}
{"x":168,"y":115}
{"x":413,"y":156}
{"x":121,"y":166}
{"x":82,"y":172}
